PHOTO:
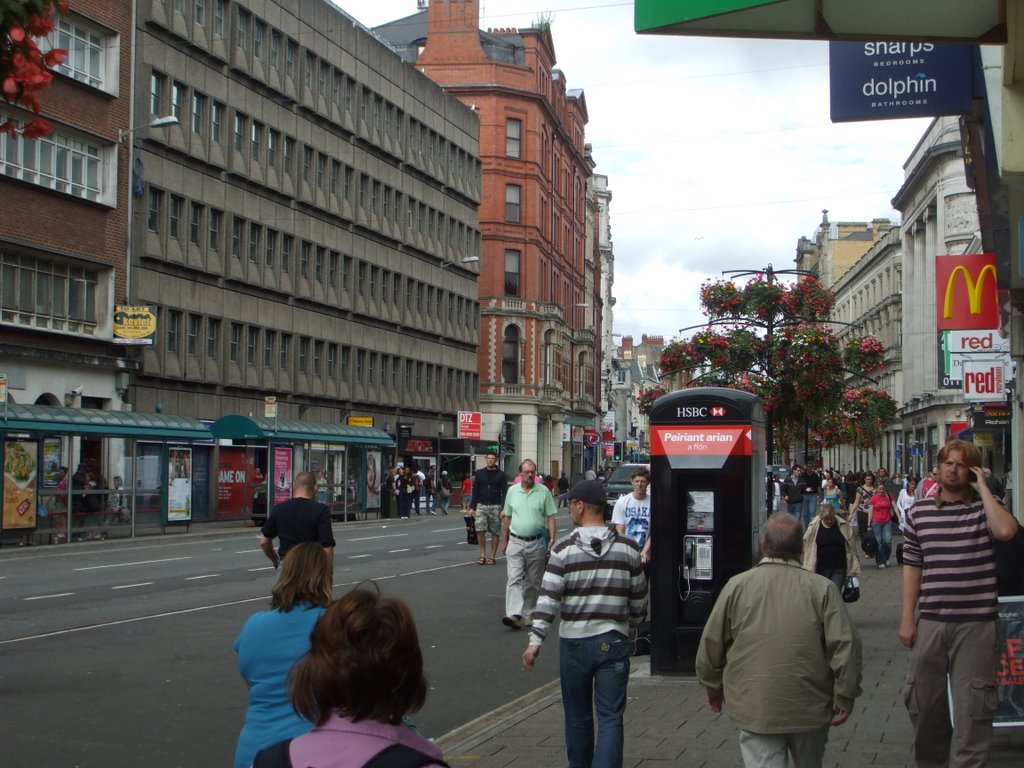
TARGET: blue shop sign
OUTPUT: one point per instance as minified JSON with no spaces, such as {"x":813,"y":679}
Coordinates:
{"x":887,"y":80}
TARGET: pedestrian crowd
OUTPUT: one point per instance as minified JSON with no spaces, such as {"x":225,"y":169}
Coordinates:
{"x":331,"y":684}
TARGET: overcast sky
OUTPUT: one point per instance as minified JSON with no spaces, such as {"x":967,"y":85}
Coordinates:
{"x":719,"y":153}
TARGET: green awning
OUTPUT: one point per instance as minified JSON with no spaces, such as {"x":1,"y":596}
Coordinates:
{"x":94,"y":421}
{"x":249,"y":428}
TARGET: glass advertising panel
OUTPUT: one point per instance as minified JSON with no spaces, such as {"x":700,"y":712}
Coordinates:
{"x":20,"y":468}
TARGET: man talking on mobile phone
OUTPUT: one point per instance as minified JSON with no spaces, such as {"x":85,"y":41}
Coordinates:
{"x":949,"y":582}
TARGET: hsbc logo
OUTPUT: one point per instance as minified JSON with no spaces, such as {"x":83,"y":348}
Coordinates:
{"x":699,"y":412}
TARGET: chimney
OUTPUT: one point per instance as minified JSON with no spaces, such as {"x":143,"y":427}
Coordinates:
{"x":453,"y":33}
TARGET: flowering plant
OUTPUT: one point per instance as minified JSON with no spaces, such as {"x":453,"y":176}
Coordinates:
{"x":24,"y":69}
{"x":808,"y":299}
{"x":645,"y":403}
{"x":866,"y":354}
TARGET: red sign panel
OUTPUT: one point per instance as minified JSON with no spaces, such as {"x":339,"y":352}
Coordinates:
{"x":966,"y":292}
{"x":702,"y":441}
{"x":469,"y":425}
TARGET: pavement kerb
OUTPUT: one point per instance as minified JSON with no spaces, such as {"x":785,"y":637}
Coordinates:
{"x":475,"y":732}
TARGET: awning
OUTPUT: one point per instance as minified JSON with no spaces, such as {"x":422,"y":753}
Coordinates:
{"x":249,"y":428}
{"x":95,"y":421}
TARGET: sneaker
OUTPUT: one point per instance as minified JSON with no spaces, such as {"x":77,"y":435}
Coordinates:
{"x":527,"y":622}
{"x":513,"y":622}
{"x":881,"y":567}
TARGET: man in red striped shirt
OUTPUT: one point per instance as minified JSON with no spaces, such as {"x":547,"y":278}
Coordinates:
{"x":949,"y":579}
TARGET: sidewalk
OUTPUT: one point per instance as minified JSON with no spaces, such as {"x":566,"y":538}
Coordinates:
{"x":667,"y":723}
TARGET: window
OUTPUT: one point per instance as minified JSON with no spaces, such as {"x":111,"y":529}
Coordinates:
{"x":345,"y":352}
{"x":198,"y":112}
{"x":332,"y":268}
{"x":347,"y":183}
{"x":285,"y":351}
{"x":178,"y":91}
{"x":256,"y":143}
{"x":318,"y":266}
{"x":236,"y":236}
{"x":213,"y":338}
{"x":242,"y":29}
{"x":252,"y":343}
{"x":259,"y":33}
{"x":360,"y":365}
{"x":216,"y":121}
{"x":218,"y":18}
{"x":273,"y":142}
{"x":87,"y":57}
{"x":157,"y":91}
{"x":512,"y":272}
{"x":156,"y":203}
{"x":321,"y":167}
{"x":286,"y":252}
{"x":289,"y":154}
{"x":335,"y":171}
{"x":195,"y":222}
{"x":361,"y":278}
{"x":271,"y":247}
{"x":304,"y":256}
{"x":173,"y":329}
{"x":512,"y":195}
{"x":332,"y":360}
{"x":240,"y":121}
{"x":59,"y":162}
{"x":255,"y":231}
{"x":291,"y":51}
{"x":269,"y":337}
{"x":177,"y":203}
{"x":275,"y":48}
{"x":346,"y":270}
{"x":513,"y":137}
{"x":47,"y":294}
{"x":307,"y":162}
{"x":199,"y":12}
{"x":321,"y":80}
{"x":318,"y":356}
{"x":192,"y":341}
{"x":510,"y":356}
{"x":216,"y":217}
{"x":310,"y":65}
{"x":303,"y":353}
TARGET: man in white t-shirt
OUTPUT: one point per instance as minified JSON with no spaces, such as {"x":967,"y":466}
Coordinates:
{"x":632,"y":513}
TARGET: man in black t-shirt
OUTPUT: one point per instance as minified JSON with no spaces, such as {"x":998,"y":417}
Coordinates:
{"x":299,"y":519}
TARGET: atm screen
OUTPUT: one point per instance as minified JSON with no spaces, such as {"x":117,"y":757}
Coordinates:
{"x":700,"y":511}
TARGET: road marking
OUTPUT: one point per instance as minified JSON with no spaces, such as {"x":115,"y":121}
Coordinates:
{"x":140,"y":562}
{"x":207,"y":576}
{"x":132,"y":586}
{"x":264,"y":568}
{"x":394,"y":551}
{"x":198,"y":608}
{"x":448,"y":530}
{"x":48,"y":597}
{"x":384,"y":536}
{"x":433,"y":546}
{"x":247,"y":551}
{"x":356,"y":557}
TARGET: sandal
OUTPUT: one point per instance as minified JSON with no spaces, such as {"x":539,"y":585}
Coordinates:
{"x":490,"y":561}
{"x":481,"y":561}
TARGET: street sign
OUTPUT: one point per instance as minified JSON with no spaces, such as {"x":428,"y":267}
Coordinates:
{"x":270,"y":407}
{"x":360,"y":421}
{"x":3,"y":387}
{"x":470,"y":423}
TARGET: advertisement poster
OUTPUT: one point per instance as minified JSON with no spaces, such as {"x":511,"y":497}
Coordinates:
{"x":179,"y":482}
{"x":237,"y":467}
{"x":1010,"y":674}
{"x":51,"y":462}
{"x":19,"y":484}
{"x":372,"y":479}
{"x":282,"y":474}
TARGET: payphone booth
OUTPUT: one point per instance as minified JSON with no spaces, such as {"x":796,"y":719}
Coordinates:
{"x":708,"y":505}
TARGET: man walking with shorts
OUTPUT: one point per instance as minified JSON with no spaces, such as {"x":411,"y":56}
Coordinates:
{"x":485,"y":505}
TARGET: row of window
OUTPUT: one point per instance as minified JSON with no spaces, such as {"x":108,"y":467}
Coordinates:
{"x":45,"y":294}
{"x":265,"y":48}
{"x":256,"y":347}
{"x":282,"y":253}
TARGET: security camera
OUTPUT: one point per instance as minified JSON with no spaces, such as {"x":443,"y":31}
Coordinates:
{"x":77,"y":391}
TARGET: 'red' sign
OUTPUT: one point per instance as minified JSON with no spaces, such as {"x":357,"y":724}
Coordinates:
{"x":966,"y":292}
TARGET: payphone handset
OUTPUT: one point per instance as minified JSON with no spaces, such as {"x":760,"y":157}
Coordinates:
{"x":697,"y":557}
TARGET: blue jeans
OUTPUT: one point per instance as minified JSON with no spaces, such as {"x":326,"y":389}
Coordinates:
{"x":883,"y":535}
{"x":594,"y":672}
{"x":793,"y":507}
{"x":808,"y":509}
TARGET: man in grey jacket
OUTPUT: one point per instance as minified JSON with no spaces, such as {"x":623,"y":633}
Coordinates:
{"x":782,"y":651}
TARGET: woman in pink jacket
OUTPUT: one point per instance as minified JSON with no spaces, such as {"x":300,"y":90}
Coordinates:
{"x":362,"y":675}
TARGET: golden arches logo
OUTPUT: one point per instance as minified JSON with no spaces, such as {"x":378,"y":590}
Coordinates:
{"x":973,"y":289}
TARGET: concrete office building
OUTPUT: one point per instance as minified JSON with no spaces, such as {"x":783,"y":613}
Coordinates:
{"x":308,"y":230}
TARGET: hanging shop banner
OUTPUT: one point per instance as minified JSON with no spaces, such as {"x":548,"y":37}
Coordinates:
{"x":135,"y":325}
{"x":1010,"y":673}
{"x":19,"y":484}
{"x":179,"y":484}
{"x":886,"y":80}
{"x":470,"y":424}
{"x":282,"y":474}
{"x":959,"y":347}
{"x":966,"y":292}
{"x":984,"y":382}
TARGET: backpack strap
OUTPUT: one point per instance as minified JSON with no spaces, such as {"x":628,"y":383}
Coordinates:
{"x":400,"y":756}
{"x":274,"y":756}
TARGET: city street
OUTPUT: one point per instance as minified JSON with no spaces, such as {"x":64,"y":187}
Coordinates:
{"x":120,"y":653}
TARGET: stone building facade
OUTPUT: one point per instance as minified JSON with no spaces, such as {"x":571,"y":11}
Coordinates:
{"x":309,"y":228}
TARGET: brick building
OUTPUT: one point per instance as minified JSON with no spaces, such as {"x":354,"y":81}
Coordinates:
{"x":540,"y":285}
{"x":63,"y":221}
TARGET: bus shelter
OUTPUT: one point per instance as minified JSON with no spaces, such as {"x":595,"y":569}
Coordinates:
{"x":259,"y":457}
{"x":77,"y":473}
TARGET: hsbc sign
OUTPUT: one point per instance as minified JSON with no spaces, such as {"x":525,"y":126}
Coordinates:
{"x":983,"y":382}
{"x":699,"y":412}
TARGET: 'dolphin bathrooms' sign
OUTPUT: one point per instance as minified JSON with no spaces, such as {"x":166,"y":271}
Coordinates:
{"x":884,"y":80}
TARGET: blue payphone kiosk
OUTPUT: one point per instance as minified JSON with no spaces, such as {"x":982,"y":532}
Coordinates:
{"x":708,"y":504}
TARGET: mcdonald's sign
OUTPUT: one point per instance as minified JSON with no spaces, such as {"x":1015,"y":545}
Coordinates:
{"x":966,"y":292}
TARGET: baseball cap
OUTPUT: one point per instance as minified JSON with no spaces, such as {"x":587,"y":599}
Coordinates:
{"x":589,"y":492}
{"x":444,"y":472}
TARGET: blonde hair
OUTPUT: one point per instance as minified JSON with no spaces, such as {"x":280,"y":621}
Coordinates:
{"x":306,"y":575}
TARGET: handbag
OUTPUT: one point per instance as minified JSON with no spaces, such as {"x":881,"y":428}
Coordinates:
{"x":851,"y":591}
{"x":869,"y":543}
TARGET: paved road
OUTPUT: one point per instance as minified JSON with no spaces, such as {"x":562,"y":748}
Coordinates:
{"x":119,"y":653}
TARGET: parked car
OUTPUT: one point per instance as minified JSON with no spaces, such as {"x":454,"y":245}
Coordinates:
{"x":619,"y":483}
